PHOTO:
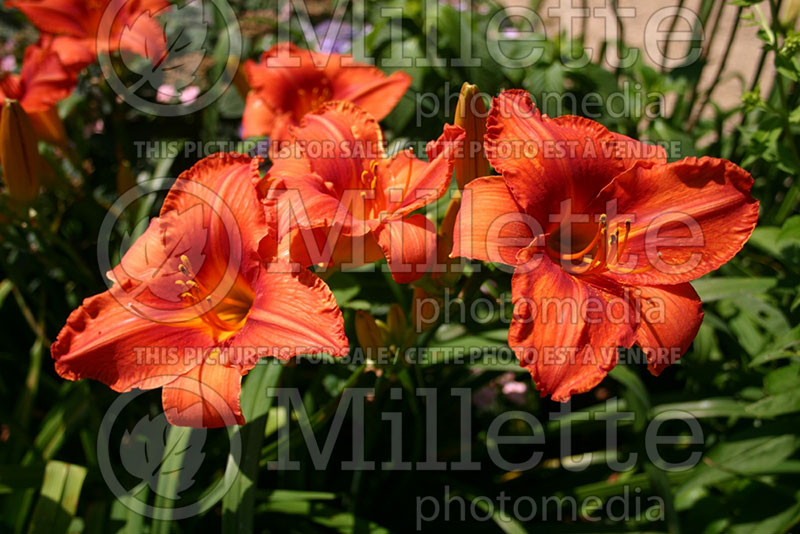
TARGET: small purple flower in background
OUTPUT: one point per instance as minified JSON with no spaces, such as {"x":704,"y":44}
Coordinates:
{"x":342,"y":41}
{"x":166,"y":93}
{"x":189,"y":94}
{"x":516,"y":392}
{"x":510,"y":32}
{"x":513,"y":390}
{"x":94,"y":128}
{"x":458,"y":5}
{"x":8,"y":64}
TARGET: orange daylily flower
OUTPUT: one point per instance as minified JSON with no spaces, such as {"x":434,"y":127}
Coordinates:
{"x":41,"y":83}
{"x":340,"y":200}
{"x":194,"y":305}
{"x":604,"y":236}
{"x":75,"y":28}
{"x":289,"y":82}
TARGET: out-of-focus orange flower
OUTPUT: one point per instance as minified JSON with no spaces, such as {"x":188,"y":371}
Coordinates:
{"x":41,"y":83}
{"x":290,"y":82}
{"x":340,"y":200}
{"x":77,"y":35}
{"x":604,"y":236}
{"x":19,"y":154}
{"x":194,"y":305}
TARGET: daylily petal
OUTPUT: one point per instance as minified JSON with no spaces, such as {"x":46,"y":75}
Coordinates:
{"x":258,"y":118}
{"x":205,"y":397}
{"x":293,"y":313}
{"x":44,"y":78}
{"x":75,"y":53}
{"x":406,"y":184}
{"x":156,"y":255}
{"x":134,"y":27}
{"x":224,"y":185}
{"x":340,"y":140}
{"x":306,"y":201}
{"x":671,"y":318}
{"x":369,"y":88}
{"x":140,"y":32}
{"x":563,"y":332}
{"x":109,"y":342}
{"x":409,"y":246}
{"x":282,"y":71}
{"x":632,"y":151}
{"x":294,"y":82}
{"x":687,"y":218}
{"x":546,"y":161}
{"x":66,"y":17}
{"x":490,"y":225}
{"x":329,"y":247}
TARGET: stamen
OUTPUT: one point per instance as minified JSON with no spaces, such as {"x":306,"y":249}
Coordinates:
{"x":590,"y":246}
{"x":623,"y":243}
{"x":187,"y":265}
{"x":600,"y":260}
{"x":192,"y":295}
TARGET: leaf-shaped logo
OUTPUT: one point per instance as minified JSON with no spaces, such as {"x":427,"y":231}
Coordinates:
{"x":185,"y":32}
{"x":147,"y":453}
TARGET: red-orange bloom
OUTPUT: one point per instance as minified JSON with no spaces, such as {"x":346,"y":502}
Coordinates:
{"x":341,"y":201}
{"x":41,"y":83}
{"x":77,"y":33}
{"x":289,"y":82}
{"x":605,"y":236}
{"x":193,"y":305}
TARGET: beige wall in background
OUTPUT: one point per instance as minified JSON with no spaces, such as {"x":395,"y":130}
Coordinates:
{"x":742,"y":62}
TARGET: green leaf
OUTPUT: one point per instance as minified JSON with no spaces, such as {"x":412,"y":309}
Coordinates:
{"x":58,"y":498}
{"x":775,"y":405}
{"x":713,"y":289}
{"x":702,"y":409}
{"x":177,"y":444}
{"x":132,"y":522}
{"x":745,"y":453}
{"x":783,"y":379}
{"x":238,"y":503}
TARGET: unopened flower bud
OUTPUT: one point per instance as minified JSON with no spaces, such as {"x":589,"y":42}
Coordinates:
{"x":368,"y":334}
{"x":471,"y":116}
{"x":19,"y":153}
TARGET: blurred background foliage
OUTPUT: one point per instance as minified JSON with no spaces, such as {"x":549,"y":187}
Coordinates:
{"x":740,"y":380}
